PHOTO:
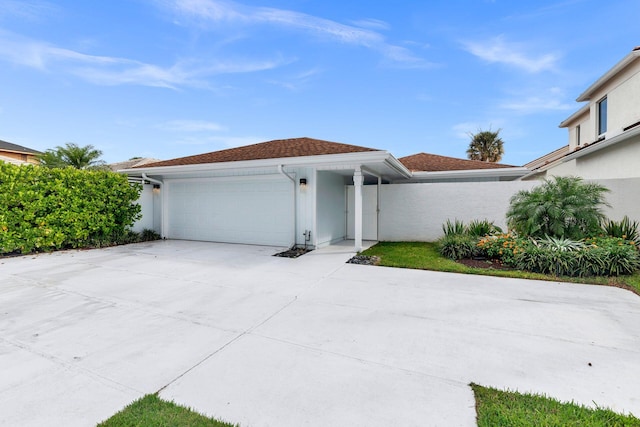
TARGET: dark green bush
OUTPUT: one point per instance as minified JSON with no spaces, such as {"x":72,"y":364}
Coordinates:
{"x":45,"y":209}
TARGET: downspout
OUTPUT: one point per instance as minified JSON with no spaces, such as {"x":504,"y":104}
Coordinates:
{"x":157,"y":181}
{"x":295,"y":204}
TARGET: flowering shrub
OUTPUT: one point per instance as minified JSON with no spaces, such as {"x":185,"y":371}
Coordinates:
{"x":504,"y":247}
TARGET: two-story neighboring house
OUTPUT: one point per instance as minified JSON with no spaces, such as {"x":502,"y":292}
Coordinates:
{"x":604,"y":135}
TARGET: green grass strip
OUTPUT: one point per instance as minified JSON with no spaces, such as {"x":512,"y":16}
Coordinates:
{"x":497,"y":408}
{"x":150,"y":411}
{"x":425,"y":256}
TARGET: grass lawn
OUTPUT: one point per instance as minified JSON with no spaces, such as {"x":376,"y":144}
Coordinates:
{"x":151,"y":411}
{"x":425,"y":256}
{"x":497,"y":408}
{"x":494,"y":408}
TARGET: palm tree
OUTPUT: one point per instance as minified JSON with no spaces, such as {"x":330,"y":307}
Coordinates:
{"x":486,"y":146}
{"x":72,"y":155}
{"x":561,"y":207}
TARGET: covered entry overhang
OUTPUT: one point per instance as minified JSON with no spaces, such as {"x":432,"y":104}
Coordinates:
{"x":266,"y":201}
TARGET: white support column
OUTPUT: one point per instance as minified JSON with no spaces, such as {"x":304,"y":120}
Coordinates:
{"x":357,"y":186}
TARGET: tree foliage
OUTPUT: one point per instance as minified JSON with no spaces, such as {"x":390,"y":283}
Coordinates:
{"x":562,"y":207}
{"x":45,"y":209}
{"x":486,"y":146}
{"x":72,"y":155}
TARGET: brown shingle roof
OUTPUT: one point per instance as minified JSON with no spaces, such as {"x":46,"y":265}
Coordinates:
{"x":8,"y":146}
{"x":423,"y":162}
{"x":279,"y":148}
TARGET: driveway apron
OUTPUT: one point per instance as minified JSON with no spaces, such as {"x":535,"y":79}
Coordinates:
{"x":236,"y":333}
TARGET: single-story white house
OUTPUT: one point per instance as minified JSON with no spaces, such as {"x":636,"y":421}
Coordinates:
{"x":290,"y":192}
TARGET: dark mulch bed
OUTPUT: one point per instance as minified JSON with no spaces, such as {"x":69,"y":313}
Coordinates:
{"x":484,"y":263}
{"x":293,"y":253}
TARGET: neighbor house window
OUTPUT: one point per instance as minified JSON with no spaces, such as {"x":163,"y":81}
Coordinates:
{"x":578,"y":135}
{"x":602,"y":116}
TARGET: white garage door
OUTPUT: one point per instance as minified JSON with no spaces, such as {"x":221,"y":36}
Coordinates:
{"x":233,"y":210}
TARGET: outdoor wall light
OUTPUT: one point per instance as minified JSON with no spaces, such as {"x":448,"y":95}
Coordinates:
{"x":303,"y":183}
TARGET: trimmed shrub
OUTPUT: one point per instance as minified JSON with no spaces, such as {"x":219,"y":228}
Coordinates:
{"x":45,"y":209}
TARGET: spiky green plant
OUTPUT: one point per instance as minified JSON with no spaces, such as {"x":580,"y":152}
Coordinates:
{"x":481,"y":228}
{"x":562,"y":207}
{"x":624,"y":229}
{"x":454,"y":228}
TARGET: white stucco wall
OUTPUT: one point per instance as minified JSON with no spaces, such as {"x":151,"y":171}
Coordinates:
{"x":416,"y":212}
{"x":624,"y":198}
{"x":146,"y":203}
{"x":330,"y":193}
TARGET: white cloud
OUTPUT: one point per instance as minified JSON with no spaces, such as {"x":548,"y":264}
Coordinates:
{"x":540,"y":100}
{"x":371,"y":23}
{"x":297,"y":81}
{"x":216,"y":12}
{"x":24,"y":9}
{"x":111,"y":71}
{"x":191,"y":126}
{"x":497,"y":50}
{"x":536,"y":104}
{"x":220,"y":142}
{"x":464,"y":129}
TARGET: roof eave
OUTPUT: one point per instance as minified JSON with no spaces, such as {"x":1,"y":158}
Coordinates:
{"x":586,"y":95}
{"x":334,"y":159}
{"x":589,"y":149}
{"x":565,"y":123}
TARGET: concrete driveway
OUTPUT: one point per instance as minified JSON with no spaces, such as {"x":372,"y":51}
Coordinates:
{"x":264,"y":341}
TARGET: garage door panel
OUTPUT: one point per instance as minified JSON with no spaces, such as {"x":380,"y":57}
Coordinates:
{"x":253,"y":211}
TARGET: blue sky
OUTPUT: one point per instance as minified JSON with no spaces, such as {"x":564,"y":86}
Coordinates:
{"x":170,"y":78}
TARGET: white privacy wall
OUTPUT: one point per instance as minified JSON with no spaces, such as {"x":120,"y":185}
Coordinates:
{"x":416,"y":212}
{"x":624,"y":198}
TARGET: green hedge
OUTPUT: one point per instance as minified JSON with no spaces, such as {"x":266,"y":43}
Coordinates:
{"x":45,"y":209}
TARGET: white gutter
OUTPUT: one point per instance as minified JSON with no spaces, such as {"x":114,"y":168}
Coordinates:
{"x":473,"y":173}
{"x":592,"y":148}
{"x":295,"y":204}
{"x":155,"y":181}
{"x":162,"y":213}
